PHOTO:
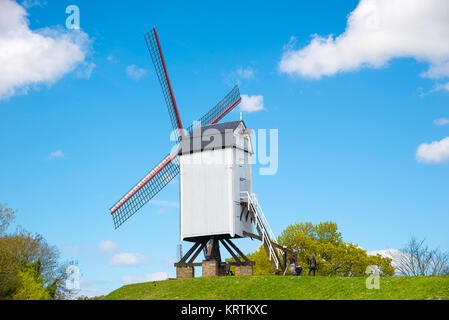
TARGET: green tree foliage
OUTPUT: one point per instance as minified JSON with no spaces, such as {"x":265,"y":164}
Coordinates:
{"x":9,"y":279}
{"x":334,"y":256}
{"x":31,"y":284}
{"x":28,"y":262}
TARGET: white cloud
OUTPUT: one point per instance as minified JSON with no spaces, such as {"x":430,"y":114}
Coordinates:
{"x":135,"y":72}
{"x":108,"y":246}
{"x":441,"y":87}
{"x":32,"y":57}
{"x":85,"y":70}
{"x":245,"y":73}
{"x":251,"y":103}
{"x":441,"y":121}
{"x":31,"y":3}
{"x":127,"y":259}
{"x":378,"y":31}
{"x":434,"y":152}
{"x":236,"y":76}
{"x":56,"y":154}
{"x":394,"y":254}
{"x":158,"y":276}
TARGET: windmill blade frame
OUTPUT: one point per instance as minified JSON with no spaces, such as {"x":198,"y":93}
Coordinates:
{"x":145,"y":190}
{"x":220,"y":109}
{"x":154,"y":48}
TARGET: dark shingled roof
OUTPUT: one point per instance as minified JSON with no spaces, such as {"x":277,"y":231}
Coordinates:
{"x":213,"y":140}
{"x":222,"y":127}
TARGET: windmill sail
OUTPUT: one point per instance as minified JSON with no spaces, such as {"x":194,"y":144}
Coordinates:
{"x":220,"y":110}
{"x":168,"y":168}
{"x":154,"y":47}
{"x":145,"y":190}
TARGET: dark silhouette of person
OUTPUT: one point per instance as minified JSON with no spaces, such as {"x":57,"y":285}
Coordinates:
{"x":298,"y":269}
{"x":312,"y":265}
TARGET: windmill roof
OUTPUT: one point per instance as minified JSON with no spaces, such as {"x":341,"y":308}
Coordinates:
{"x":222,"y":127}
{"x":214,"y":136}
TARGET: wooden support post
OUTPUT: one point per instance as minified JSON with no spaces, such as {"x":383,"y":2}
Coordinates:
{"x":200,"y":248}
{"x":187,"y":255}
{"x":237,"y":260}
{"x":213,"y":251}
{"x":237,"y":250}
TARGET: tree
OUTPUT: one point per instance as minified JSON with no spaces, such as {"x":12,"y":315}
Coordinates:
{"x":31,"y":284}
{"x":334,"y":257}
{"x":19,"y":253}
{"x":9,"y":266}
{"x":9,"y":279}
{"x":417,"y":259}
{"x":7,"y":216}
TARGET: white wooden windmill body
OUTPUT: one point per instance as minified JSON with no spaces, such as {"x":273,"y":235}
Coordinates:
{"x":215,"y":168}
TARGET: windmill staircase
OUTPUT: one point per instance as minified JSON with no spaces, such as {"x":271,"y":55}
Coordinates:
{"x":277,"y":254}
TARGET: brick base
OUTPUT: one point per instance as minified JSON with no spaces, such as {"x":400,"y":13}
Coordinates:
{"x":243,"y":270}
{"x":185,"y":272}
{"x":210,"y":268}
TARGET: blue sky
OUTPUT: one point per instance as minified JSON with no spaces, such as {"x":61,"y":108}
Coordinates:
{"x":362,"y":119}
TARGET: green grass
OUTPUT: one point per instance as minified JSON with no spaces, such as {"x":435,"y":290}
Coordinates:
{"x":285,"y":288}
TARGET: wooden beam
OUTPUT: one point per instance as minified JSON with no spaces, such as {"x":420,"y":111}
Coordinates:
{"x":187,"y":255}
{"x":188,"y":264}
{"x":252,"y":235}
{"x":237,"y":260}
{"x":198,"y":252}
{"x":237,"y":250}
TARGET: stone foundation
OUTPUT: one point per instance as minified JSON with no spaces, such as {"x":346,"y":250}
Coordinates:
{"x":210,"y":268}
{"x":243,"y":270}
{"x":185,"y":272}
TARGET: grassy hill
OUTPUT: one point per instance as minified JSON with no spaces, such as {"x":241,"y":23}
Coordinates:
{"x":284,"y":288}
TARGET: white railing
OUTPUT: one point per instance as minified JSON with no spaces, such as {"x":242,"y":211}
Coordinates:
{"x":262,"y":223}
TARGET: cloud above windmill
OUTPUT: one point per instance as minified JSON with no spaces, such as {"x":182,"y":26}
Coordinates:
{"x":56,"y":154}
{"x":32,"y":57}
{"x":251,"y":103}
{"x":377,"y":32}
{"x":434,"y":152}
{"x":236,"y":76}
{"x":134,"y":72}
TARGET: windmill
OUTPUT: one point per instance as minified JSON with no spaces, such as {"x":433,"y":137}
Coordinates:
{"x":207,"y":216}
